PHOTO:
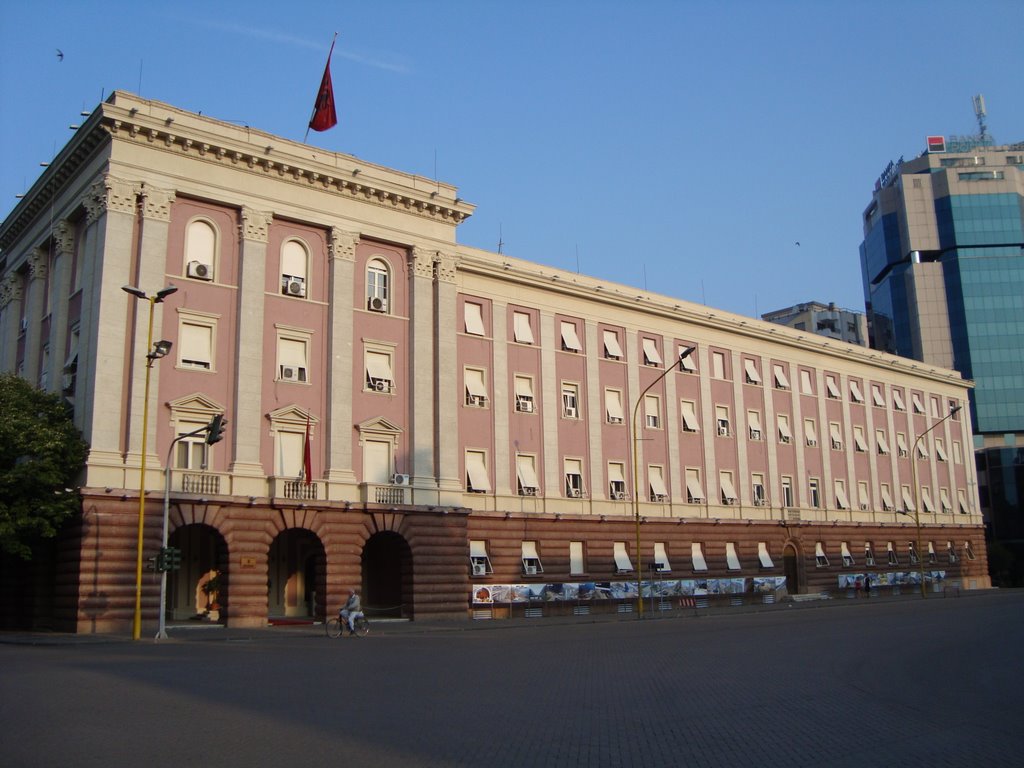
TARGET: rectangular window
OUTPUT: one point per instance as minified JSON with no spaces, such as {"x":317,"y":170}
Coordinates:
{"x":190,"y":452}
{"x":754,"y":425}
{"x":932,"y":559}
{"x":922,"y":450}
{"x":524,"y":394}
{"x":958,"y":453}
{"x":820,"y":558}
{"x":526,"y":475}
{"x":616,"y":481}
{"x":810,"y":432}
{"x":531,"y":559}
{"x":951,"y":552}
{"x":750,"y":372}
{"x":722,"y":419}
{"x":195,"y":345}
{"x":859,"y":444}
{"x":855,"y":394}
{"x":577,"y":561}
{"x":621,"y":554}
{"x":522,"y":329}
{"x":379,"y":377}
{"x":915,"y":401}
{"x":757,"y":489}
{"x":651,"y":354}
{"x":726,"y":486}
{"x":912,"y":552}
{"x":926,"y":500}
{"x":785,"y":436}
{"x":612,"y":348}
{"x":847,"y":555}
{"x":656,"y":484}
{"x":832,"y":388}
{"x":689,"y":363}
{"x":940,"y":450}
{"x":877,"y":399}
{"x":661,"y":564}
{"x":806,"y":387}
{"x":961,"y":500}
{"x":652,"y":411}
{"x":947,"y":507}
{"x":694,"y":490}
{"x":908,"y":499}
{"x":883,"y":446}
{"x":814,"y":492}
{"x":570,"y":341}
{"x":887,"y":504}
{"x":787,"y":491}
{"x":473,"y":314}
{"x":697,"y":556}
{"x":291,"y":359}
{"x":842,"y":502}
{"x":763,"y":558}
{"x":869,"y":554}
{"x":863,"y":495}
{"x":968,"y":550}
{"x":897,"y":400}
{"x":901,"y":445}
{"x":570,"y":401}
{"x":835,"y":436}
{"x":478,"y":559}
{"x":477,"y":478}
{"x":476,"y":388}
{"x":732,"y":560}
{"x":573,"y":469}
{"x":933,"y":406}
{"x":613,"y":406}
{"x":718,"y":365}
{"x":688,"y":411}
{"x":779,"y":377}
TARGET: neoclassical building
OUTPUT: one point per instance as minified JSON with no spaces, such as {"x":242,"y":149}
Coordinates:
{"x":466,"y":417}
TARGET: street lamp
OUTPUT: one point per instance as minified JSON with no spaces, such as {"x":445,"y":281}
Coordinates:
{"x":636,"y":480}
{"x":917,"y":492}
{"x":155,"y":352}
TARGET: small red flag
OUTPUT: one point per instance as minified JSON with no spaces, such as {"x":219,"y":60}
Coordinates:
{"x":324,"y":116}
{"x":307,"y":457}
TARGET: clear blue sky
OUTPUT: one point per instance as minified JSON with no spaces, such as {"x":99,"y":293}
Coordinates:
{"x":685,"y":146}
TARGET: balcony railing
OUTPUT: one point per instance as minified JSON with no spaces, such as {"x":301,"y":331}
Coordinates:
{"x":299,"y":489}
{"x":200,"y":482}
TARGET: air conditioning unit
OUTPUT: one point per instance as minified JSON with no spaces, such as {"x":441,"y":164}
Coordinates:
{"x":575,"y":493}
{"x":864,"y":507}
{"x":477,"y":401}
{"x":382,"y":385}
{"x":570,"y":412}
{"x":784,"y":440}
{"x":530,"y":570}
{"x":377,"y":304}
{"x":755,"y":434}
{"x":614,"y":419}
{"x":812,"y":442}
{"x":397,"y":479}
{"x":759,"y":502}
{"x":479,"y":569}
{"x":296,"y":288}
{"x":291,"y":373}
{"x":620,"y":495}
{"x":524,"y":405}
{"x":199,"y":270}
{"x":529,"y":491}
{"x":723,"y":430}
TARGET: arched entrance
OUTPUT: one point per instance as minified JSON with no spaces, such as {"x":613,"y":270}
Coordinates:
{"x":296,"y":575}
{"x":791,"y":568}
{"x":387,"y":576}
{"x":198,"y":591}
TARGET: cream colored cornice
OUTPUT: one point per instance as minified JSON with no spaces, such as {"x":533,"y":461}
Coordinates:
{"x":570,"y":284}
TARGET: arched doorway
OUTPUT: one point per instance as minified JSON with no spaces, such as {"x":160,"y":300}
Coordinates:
{"x":791,"y":568}
{"x":296,"y":575}
{"x":198,"y":590}
{"x":387,"y":576}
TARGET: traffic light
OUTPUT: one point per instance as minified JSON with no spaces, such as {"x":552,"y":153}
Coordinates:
{"x":215,"y":429}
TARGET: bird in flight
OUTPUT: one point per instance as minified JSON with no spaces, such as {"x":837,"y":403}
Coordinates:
{"x":60,"y":55}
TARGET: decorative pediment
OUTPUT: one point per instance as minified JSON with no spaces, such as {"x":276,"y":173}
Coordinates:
{"x":196,"y":405}
{"x":379,"y":426}
{"x":292,"y":415}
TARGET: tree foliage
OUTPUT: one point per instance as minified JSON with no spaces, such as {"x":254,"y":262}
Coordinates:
{"x":41,"y":456}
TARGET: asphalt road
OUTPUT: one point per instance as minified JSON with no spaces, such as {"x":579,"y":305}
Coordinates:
{"x":885,"y":683}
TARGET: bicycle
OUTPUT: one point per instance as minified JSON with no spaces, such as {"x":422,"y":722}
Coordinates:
{"x":336,"y":627}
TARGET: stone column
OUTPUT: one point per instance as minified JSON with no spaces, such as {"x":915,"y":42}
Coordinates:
{"x":446,"y":389}
{"x":35,"y":303}
{"x":595,"y":413}
{"x":421,"y":389}
{"x":11,"y":293}
{"x":247,"y":418}
{"x":60,"y":291}
{"x":338,"y":424}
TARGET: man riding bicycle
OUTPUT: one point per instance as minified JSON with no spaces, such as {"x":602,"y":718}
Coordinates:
{"x":351,"y":611}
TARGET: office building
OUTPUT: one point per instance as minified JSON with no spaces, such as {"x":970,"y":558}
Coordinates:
{"x":823,"y":319}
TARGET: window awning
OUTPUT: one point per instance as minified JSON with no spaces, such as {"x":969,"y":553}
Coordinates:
{"x":876,"y":396}
{"x":805,"y":383}
{"x":474,"y":318}
{"x":524,"y":387}
{"x":751,"y":371}
{"x":926,"y":500}
{"x":727,"y":488}
{"x":809,"y":432}
{"x":694,"y":489}
{"x":832,"y":388}
{"x":901,"y":441}
{"x":651,"y":354}
{"x":961,"y":498}
{"x":858,"y":396}
{"x":613,"y":403}
{"x":478,"y":549}
{"x":897,"y":398}
{"x":908,"y":501}
{"x":656,"y":481}
{"x":732,"y":560}
{"x":699,"y":563}
{"x":819,"y":550}
{"x":944,"y":501}
{"x":841,"y":501}
{"x":833,"y":431}
{"x":887,"y":498}
{"x":940,"y":451}
{"x":883,"y":446}
{"x":475,"y":383}
{"x":863,"y":496}
{"x":858,"y":441}
{"x":689,"y":364}
{"x":916,"y":400}
{"x":689,"y":416}
{"x":569,"y":338}
{"x":784,"y":428}
{"x":922,"y":449}
{"x":661,"y":557}
{"x":378,"y":366}
{"x":780,"y":377}
{"x":615,"y":474}
{"x":622,"y":561}
{"x":526,"y":473}
{"x":763,"y":557}
{"x":477,"y":471}
{"x":530,"y":550}
{"x":754,"y":420}
{"x":845,"y":551}
{"x":611,"y":345}
{"x":521,"y":328}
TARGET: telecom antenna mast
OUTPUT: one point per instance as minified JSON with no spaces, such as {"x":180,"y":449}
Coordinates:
{"x":979,"y":112}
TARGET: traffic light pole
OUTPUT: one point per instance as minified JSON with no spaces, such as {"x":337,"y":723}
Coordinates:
{"x":212,"y":430}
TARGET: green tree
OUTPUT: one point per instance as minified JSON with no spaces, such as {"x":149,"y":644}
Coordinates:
{"x":41,"y":456}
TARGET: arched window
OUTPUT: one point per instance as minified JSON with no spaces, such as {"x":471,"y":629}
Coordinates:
{"x":200,"y":249}
{"x":294,"y":268}
{"x":378,"y":280}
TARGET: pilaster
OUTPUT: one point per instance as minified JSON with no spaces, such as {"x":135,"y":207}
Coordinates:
{"x":35,"y":302}
{"x":504,"y":469}
{"x":446,"y":384}
{"x":60,"y":290}
{"x":550,"y":406}
{"x":595,"y":413}
{"x":11,"y":297}
{"x":341,"y":272}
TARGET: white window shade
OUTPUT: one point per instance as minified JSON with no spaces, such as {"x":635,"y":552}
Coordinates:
{"x":689,"y":364}
{"x":805,"y":383}
{"x":613,"y":404}
{"x":833,"y":389}
{"x":576,"y":558}
{"x":693,"y":488}
{"x":474,"y":318}
{"x":531,"y":560}
{"x":732,"y":560}
{"x":290,"y":447}
{"x":378,"y":366}
{"x":887,"y":498}
{"x":780,"y":377}
{"x":478,"y":557}
{"x":657,"y":482}
{"x":521,"y":328}
{"x":833,"y":431}
{"x":810,"y":433}
{"x":475,"y":383}
{"x":876,"y":397}
{"x":661,"y":563}
{"x":570,"y":340}
{"x":728,"y":491}
{"x":863,"y":495}
{"x":476,"y":469}
{"x":901,"y":442}
{"x":622,"y":561}
{"x":883,"y":446}
{"x":858,"y":441}
{"x":841,"y":501}
{"x":754,"y":420}
{"x":293,"y":260}
{"x":916,"y":400}
{"x":897,"y":398}
{"x":526,"y":472}
{"x":697,"y":556}
{"x":944,"y":501}
{"x":784,"y":432}
{"x":651,"y":354}
{"x":763,"y":557}
{"x":197,"y":344}
{"x":751,"y":370}
{"x":961,"y":500}
{"x":926,"y":500}
{"x":940,"y":451}
{"x":524,"y":387}
{"x":688,"y":411}
{"x":908,"y":500}
{"x":611,"y":345}
{"x":291,"y":352}
{"x":855,"y":393}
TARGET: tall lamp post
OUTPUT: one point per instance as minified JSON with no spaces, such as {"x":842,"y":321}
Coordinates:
{"x":917,"y":493}
{"x":636,"y":479}
{"x":154,"y":352}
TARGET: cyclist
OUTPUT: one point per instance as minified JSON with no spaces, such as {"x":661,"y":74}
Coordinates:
{"x":351,"y":611}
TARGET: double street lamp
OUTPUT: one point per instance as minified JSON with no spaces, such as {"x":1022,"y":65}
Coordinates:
{"x":683,"y":354}
{"x":917,"y":493}
{"x":154,"y":352}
